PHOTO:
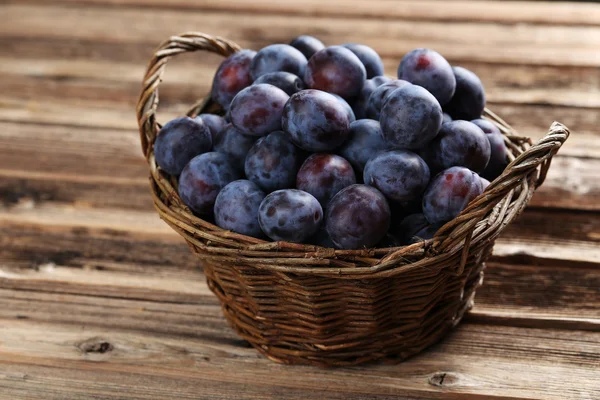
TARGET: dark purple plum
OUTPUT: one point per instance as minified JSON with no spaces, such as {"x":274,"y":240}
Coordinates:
{"x":389,"y":240}
{"x":379,"y":96}
{"x":415,"y":228}
{"x":400,"y":175}
{"x":273,"y":161}
{"x":468,"y":101}
{"x":336,"y":70}
{"x":323,"y":175}
{"x":369,"y":58}
{"x":410,"y":117}
{"x":358,"y":216}
{"x":401,"y":210}
{"x":203,"y":178}
{"x":236,"y":208}
{"x":449,"y":193}
{"x":316,"y":121}
{"x":290,"y":214}
{"x":179,"y":141}
{"x":278,"y":57}
{"x":215,"y":123}
{"x":484,"y":183}
{"x":232,"y":76}
{"x":364,"y":142}
{"x":308,"y":45}
{"x":360,"y":103}
{"x":285,"y":81}
{"x":498,"y":156}
{"x":257,"y":109}
{"x":446,"y":118}
{"x":380,"y":80}
{"x":486,"y":126}
{"x":321,"y":238}
{"x":349,"y":109}
{"x":427,"y":68}
{"x":460,"y":144}
{"x":234,"y":144}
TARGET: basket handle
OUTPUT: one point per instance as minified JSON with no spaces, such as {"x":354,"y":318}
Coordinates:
{"x":148,"y":100}
{"x":539,"y":155}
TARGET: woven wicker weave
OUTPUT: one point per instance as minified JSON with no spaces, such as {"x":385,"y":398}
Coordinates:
{"x":305,"y":304}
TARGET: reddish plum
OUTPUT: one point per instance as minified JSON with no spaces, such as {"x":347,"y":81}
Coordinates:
{"x":358,"y":216}
{"x":449,"y":193}
{"x":257,"y":109}
{"x":323,"y":175}
{"x":336,"y":70}
{"x":232,"y":76}
{"x":427,"y":68}
{"x":203,"y":178}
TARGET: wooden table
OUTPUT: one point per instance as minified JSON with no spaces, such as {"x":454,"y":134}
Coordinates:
{"x":100,"y":299}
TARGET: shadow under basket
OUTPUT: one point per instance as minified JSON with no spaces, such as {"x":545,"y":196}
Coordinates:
{"x":304,"y":304}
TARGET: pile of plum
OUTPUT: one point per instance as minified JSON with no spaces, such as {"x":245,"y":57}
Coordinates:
{"x":318,"y":146}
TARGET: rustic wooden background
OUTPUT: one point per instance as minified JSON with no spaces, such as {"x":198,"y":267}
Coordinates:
{"x":100,"y":299}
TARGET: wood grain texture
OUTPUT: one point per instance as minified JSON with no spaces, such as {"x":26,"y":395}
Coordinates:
{"x":478,"y":360}
{"x":100,"y":299}
{"x":493,"y":11}
{"x":530,"y":44}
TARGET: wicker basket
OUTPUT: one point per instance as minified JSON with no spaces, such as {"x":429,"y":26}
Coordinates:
{"x":303,"y":304}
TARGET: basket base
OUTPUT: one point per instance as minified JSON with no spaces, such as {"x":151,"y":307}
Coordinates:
{"x":381,"y":336}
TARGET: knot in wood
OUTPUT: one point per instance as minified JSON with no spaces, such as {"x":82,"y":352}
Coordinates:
{"x":444,"y":379}
{"x":95,"y":345}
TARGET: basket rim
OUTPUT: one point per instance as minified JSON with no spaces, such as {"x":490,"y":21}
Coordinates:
{"x":479,"y":223}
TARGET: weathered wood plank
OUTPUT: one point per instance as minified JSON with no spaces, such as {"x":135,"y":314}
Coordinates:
{"x":79,"y":190}
{"x":190,"y":78}
{"x":100,"y":299}
{"x":554,"y":13}
{"x":533,"y":44}
{"x":479,"y":361}
{"x":72,"y":150}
